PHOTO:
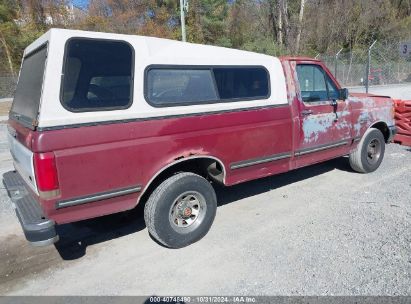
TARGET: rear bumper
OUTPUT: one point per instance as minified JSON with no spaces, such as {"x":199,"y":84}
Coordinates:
{"x":393,"y":131}
{"x":38,"y":229}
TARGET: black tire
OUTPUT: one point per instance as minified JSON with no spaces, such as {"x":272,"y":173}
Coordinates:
{"x":166,"y":210}
{"x":362,"y":160}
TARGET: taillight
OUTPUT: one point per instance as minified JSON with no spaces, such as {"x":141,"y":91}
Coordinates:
{"x":46,"y":173}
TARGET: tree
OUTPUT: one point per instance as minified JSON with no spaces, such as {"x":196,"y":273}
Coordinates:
{"x":213,"y":16}
{"x":8,"y":30}
{"x":273,"y":27}
{"x":300,"y":26}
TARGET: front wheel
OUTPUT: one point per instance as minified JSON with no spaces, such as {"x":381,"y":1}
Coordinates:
{"x":369,"y":153}
{"x":181,"y":210}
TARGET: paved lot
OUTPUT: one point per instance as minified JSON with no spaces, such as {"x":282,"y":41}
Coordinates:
{"x":400,"y":91}
{"x":322,"y":230}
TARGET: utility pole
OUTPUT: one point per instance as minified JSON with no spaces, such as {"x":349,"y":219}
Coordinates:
{"x":336,"y":63}
{"x":183,"y":10}
{"x":367,"y":72}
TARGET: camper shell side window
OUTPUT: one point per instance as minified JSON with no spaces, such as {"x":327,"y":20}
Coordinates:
{"x":178,"y":85}
{"x":97,"y":75}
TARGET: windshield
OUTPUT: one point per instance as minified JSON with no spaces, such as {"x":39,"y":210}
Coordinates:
{"x":28,"y":92}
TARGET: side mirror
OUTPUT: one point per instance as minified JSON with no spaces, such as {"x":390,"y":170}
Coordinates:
{"x":343,"y":94}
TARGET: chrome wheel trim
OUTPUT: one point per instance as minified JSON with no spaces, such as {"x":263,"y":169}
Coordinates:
{"x":187,"y":211}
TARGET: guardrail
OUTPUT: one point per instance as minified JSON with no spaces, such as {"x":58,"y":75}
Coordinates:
{"x":403,"y":122}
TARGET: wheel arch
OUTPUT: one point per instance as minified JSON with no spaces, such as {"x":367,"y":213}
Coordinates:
{"x":383,"y":127}
{"x":202,"y":165}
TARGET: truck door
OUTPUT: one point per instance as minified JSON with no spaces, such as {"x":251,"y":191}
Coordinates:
{"x":324,"y":129}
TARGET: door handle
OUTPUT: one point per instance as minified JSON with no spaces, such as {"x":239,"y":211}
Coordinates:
{"x":334,"y":104}
{"x":306,"y":112}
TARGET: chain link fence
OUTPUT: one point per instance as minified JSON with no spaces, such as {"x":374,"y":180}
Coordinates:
{"x":348,"y":67}
{"x":379,"y":64}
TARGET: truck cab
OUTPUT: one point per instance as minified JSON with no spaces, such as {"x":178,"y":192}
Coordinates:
{"x":328,"y":116}
{"x":102,"y":122}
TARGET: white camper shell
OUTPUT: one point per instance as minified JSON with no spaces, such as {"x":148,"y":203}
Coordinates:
{"x":52,"y":49}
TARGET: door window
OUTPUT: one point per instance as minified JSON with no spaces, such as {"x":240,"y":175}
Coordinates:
{"x":333,"y":92}
{"x":315,"y":84}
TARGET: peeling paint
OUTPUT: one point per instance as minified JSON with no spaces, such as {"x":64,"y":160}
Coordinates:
{"x":315,"y":126}
{"x":367,"y":110}
{"x":289,"y":69}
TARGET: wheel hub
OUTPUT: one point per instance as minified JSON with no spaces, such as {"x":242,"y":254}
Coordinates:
{"x":187,"y":208}
{"x":373,"y":151}
{"x":187,"y":212}
{"x":184,"y":210}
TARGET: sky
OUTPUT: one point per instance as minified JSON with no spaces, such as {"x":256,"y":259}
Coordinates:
{"x":80,"y":3}
{"x":83,"y":3}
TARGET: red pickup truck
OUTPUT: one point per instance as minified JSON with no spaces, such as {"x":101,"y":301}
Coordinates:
{"x":102,"y":122}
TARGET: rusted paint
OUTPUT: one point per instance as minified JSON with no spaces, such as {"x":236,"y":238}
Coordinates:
{"x":368,"y":109}
{"x":316,"y":126}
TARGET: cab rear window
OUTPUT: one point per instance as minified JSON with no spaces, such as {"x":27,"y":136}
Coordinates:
{"x":97,"y":75}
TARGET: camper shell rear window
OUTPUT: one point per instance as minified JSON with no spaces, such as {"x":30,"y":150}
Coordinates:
{"x":97,"y":75}
{"x":27,"y":97}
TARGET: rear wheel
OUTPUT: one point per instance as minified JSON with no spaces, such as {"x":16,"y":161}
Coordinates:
{"x":181,"y":210}
{"x":369,"y":153}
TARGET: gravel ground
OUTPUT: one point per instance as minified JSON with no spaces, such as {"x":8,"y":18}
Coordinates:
{"x":321,"y":230}
{"x":7,"y":215}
